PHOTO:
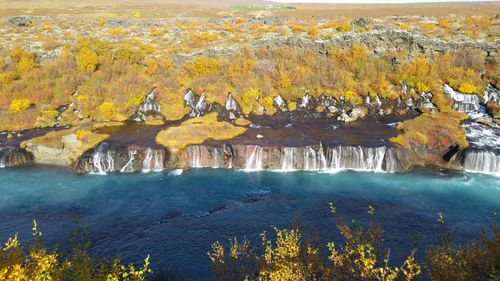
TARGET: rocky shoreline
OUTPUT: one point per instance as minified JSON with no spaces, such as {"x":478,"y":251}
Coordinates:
{"x":304,"y":139}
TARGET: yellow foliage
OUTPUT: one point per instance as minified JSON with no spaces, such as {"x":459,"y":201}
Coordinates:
{"x":359,"y":52}
{"x":468,"y":88}
{"x":101,"y":23}
{"x":25,"y":64}
{"x":25,"y":61}
{"x":297,"y":28}
{"x":19,"y":105}
{"x":39,"y":264}
{"x":202,"y":66}
{"x":405,"y":26}
{"x":313,"y":31}
{"x":292,"y":105}
{"x":108,"y":110}
{"x":2,"y":62}
{"x":153,"y":31}
{"x":116,"y":31}
{"x":427,"y":27}
{"x":344,"y":26}
{"x":7,"y":77}
{"x":248,"y":99}
{"x":283,"y":80}
{"x":87,"y":60}
{"x":444,"y":23}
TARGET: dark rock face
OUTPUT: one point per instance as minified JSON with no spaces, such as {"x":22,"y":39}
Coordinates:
{"x":14,"y":156}
{"x":107,"y":158}
{"x":20,"y":21}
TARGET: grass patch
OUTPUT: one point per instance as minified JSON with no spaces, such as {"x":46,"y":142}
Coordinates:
{"x":197,"y":131}
{"x":433,"y":130}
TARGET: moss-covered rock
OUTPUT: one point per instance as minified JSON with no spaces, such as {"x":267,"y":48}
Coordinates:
{"x":437,"y":130}
{"x":196,"y":131}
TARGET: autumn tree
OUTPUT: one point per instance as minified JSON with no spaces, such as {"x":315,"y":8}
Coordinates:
{"x":87,"y":60}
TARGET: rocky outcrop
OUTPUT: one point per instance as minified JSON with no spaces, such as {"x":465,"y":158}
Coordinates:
{"x":381,"y":40}
{"x":108,"y":158}
{"x":11,"y":156}
{"x":20,"y":21}
{"x":61,"y":148}
{"x":149,"y":109}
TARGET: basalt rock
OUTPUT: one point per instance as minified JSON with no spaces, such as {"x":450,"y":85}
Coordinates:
{"x":107,"y":158}
{"x":382,"y":39}
{"x":11,"y":156}
{"x":20,"y":21}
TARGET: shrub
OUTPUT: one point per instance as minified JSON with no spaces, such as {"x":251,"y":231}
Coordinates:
{"x":290,"y":257}
{"x":116,"y":31}
{"x":202,"y":66}
{"x":248,"y":99}
{"x":87,"y":60}
{"x":344,"y":26}
{"x":108,"y":110}
{"x":38,"y":263}
{"x":313,"y":31}
{"x":19,"y":105}
{"x":467,"y":88}
{"x":433,"y":130}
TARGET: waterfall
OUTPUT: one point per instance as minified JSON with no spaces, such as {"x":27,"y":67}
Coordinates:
{"x":462,"y":102}
{"x":279,"y":102}
{"x":230,"y":103}
{"x":146,"y":163}
{"x":129,"y":167}
{"x":215,"y":158}
{"x":254,"y":162}
{"x":288,"y":159}
{"x":482,"y":161}
{"x":195,"y":156}
{"x":2,"y":157}
{"x":102,"y":161}
{"x":356,"y":158}
{"x":491,"y":94}
{"x":314,"y":160}
{"x":158,"y":160}
{"x":391,"y":164}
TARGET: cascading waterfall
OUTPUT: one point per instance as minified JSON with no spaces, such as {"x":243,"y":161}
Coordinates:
{"x":467,"y":103}
{"x":195,"y":160}
{"x":215,"y":158}
{"x":390,"y":161}
{"x":254,"y":162}
{"x":482,"y":161}
{"x":129,"y":167}
{"x":158,"y":160}
{"x":2,"y":157}
{"x":314,"y":160}
{"x":153,"y":161}
{"x":356,"y":158}
{"x":102,"y":161}
{"x":289,"y":159}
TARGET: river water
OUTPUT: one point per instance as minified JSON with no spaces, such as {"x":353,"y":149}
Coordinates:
{"x":175,"y":218}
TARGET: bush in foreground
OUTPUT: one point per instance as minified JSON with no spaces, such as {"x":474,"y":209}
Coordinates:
{"x":35,"y":262}
{"x":359,"y":257}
